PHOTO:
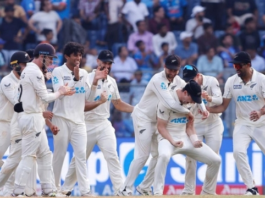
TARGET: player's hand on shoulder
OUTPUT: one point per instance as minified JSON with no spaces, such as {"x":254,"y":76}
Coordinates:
{"x":254,"y":115}
{"x":47,"y":115}
{"x":54,"y":129}
{"x":178,"y":144}
{"x":103,"y":97}
{"x":197,"y":144}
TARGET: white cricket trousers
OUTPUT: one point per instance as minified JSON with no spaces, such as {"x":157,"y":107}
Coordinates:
{"x":242,"y":137}
{"x":212,"y":132}
{"x":143,"y":132}
{"x":103,"y":135}
{"x":34,"y":145}
{"x":76,"y":135}
{"x":4,"y":138}
{"x":204,"y":154}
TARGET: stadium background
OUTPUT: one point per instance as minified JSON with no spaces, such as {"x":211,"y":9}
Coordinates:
{"x":98,"y":36}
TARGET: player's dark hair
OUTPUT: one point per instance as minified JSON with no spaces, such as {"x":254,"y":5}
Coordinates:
{"x":164,"y":44}
{"x":120,"y":49}
{"x":42,"y":4}
{"x":160,"y":26}
{"x":138,"y":22}
{"x":207,"y":25}
{"x":157,"y":8}
{"x":248,"y":20}
{"x":73,"y":48}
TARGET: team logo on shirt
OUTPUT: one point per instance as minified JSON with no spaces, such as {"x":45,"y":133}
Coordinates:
{"x":204,"y":101}
{"x":205,"y":88}
{"x":141,"y":131}
{"x":8,"y":85}
{"x":247,"y":98}
{"x":163,"y":85}
{"x":79,"y":90}
{"x":80,"y":78}
{"x":179,"y":120}
{"x":39,"y":77}
{"x":23,"y":76}
{"x":162,"y":112}
{"x":251,"y":86}
{"x":55,"y":80}
{"x":99,"y":87}
{"x":109,"y":98}
{"x":97,"y":98}
{"x":173,"y":87}
{"x":67,"y":78}
{"x":109,"y":85}
{"x":237,"y":86}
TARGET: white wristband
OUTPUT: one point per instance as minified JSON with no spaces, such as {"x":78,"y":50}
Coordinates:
{"x":193,"y":138}
{"x":202,"y":107}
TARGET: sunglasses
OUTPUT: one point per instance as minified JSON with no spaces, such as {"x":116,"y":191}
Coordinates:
{"x":237,"y":66}
{"x":188,"y":67}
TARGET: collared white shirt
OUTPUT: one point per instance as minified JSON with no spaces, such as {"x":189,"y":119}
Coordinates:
{"x":158,"y":89}
{"x":34,"y":91}
{"x":102,"y":112}
{"x":8,"y":96}
{"x":258,"y":63}
{"x":248,"y":97}
{"x":211,"y":86}
{"x":71,"y":107}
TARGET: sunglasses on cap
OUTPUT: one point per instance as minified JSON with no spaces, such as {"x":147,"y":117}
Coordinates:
{"x":188,"y":67}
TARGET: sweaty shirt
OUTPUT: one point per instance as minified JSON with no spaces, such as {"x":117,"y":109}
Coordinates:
{"x":248,"y":97}
{"x":158,"y":90}
{"x":71,"y":107}
{"x":8,"y":94}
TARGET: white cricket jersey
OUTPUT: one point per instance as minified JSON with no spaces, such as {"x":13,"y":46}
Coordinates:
{"x":158,"y":90}
{"x":176,"y":121}
{"x":211,"y":86}
{"x":102,"y":112}
{"x":248,"y":97}
{"x":8,"y":96}
{"x":34,"y":91}
{"x":71,"y":107}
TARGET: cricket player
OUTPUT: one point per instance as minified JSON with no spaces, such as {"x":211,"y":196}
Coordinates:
{"x":210,"y":129}
{"x":69,"y":114}
{"x":8,"y":89}
{"x":177,"y":136}
{"x":99,"y":129}
{"x":144,"y":117}
{"x":31,"y":122}
{"x":247,"y":88}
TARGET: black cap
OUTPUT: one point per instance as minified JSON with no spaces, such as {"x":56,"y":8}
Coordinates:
{"x":241,"y":57}
{"x":19,"y":57}
{"x":45,"y":49}
{"x":106,"y":56}
{"x":189,"y":72}
{"x":9,"y":8}
{"x":172,"y":62}
{"x":194,"y":90}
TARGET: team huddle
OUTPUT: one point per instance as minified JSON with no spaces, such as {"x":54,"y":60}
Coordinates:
{"x":174,"y":116}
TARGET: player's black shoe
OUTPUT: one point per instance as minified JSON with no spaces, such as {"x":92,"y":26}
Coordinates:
{"x":252,"y":191}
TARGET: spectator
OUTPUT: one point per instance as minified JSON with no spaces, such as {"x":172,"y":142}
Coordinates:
{"x":29,"y":7}
{"x":164,"y":55}
{"x":62,"y":7}
{"x":45,"y":18}
{"x":194,"y":25}
{"x":114,"y":32}
{"x":122,"y":127}
{"x":3,"y":63}
{"x":48,"y":35}
{"x":239,"y":10}
{"x":59,"y":61}
{"x":214,"y":10}
{"x":9,"y":32}
{"x":176,"y":12}
{"x":143,"y":35}
{"x":210,"y":64}
{"x":207,"y":40}
{"x":250,"y":36}
{"x":227,"y":50}
{"x":144,"y":60}
{"x":164,"y":36}
{"x":18,"y":10}
{"x":137,"y":87}
{"x":187,"y":50}
{"x":230,"y":30}
{"x":124,"y":66}
{"x":257,"y":62}
{"x":159,"y":18}
{"x":134,"y":11}
{"x":89,"y":10}
{"x":84,"y":65}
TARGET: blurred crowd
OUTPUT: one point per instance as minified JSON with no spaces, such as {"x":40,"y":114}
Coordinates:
{"x":140,"y":33}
